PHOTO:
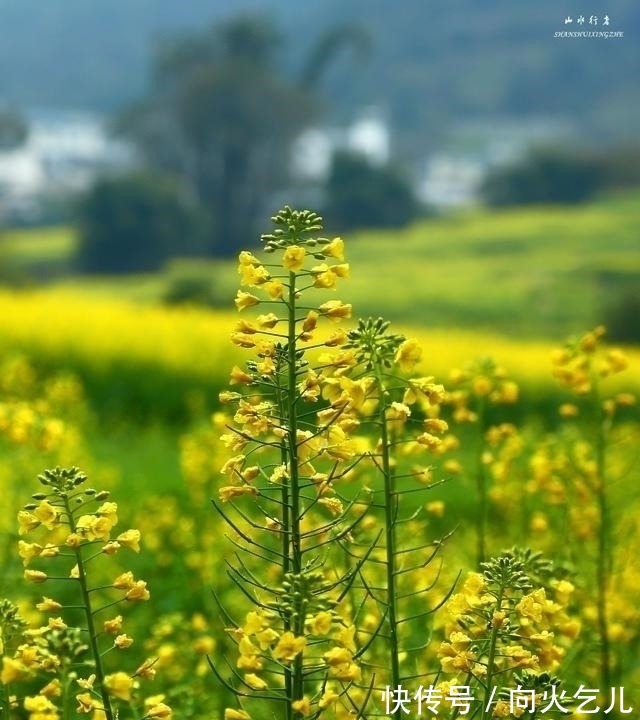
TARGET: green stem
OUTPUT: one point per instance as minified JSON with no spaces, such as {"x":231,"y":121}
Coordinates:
{"x":91,"y":629}
{"x":292,"y":419}
{"x":66,"y":698}
{"x":603,"y":564}
{"x":5,"y":703}
{"x":492,"y":657}
{"x":390,"y":517}
{"x":284,"y":459}
{"x":481,"y":484}
{"x":293,"y":678}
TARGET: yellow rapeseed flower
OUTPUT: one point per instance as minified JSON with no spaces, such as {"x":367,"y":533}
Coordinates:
{"x":408,"y":355}
{"x":346,"y":637}
{"x":27,"y":551}
{"x":335,"y":310}
{"x":87,"y":683}
{"x":334,"y":249}
{"x":52,"y":689}
{"x":119,"y":685}
{"x":330,"y":696}
{"x":113,"y":626}
{"x":27,"y":521}
{"x":92,"y":527}
{"x":130,"y":539}
{"x":124,"y":581}
{"x":254,"y":622}
{"x":274,"y":289}
{"x":288,"y":647}
{"x":268,"y":321}
{"x":86,"y":703}
{"x":293,"y":258}
{"x":48,"y":605}
{"x":255,"y":682}
{"x":323,"y":277}
{"x":146,"y":670}
{"x":123,"y":641}
{"x":40,"y":706}
{"x":12,"y":671}
{"x":109,"y":511}
{"x":56,"y":624}
{"x":73,"y":540}
{"x":321,"y":623}
{"x":229,"y":492}
{"x":231,"y":714}
{"x":35,"y":576}
{"x":47,"y":514}
{"x":247,"y":258}
{"x":341,"y":271}
{"x":532,"y":605}
{"x":138,"y":592}
{"x":240,"y":377}
{"x":245,"y":300}
{"x":253,"y":275}
{"x":302,"y":706}
{"x":159,"y":711}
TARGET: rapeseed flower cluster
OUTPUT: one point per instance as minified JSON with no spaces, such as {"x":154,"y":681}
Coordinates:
{"x":500,"y":625}
{"x":294,"y":463}
{"x":584,"y":366}
{"x":64,"y":534}
{"x":288,"y":459}
{"x":477,"y":389}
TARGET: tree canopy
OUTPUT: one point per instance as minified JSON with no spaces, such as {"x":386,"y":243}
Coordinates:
{"x":134,"y":223}
{"x":222,"y":114}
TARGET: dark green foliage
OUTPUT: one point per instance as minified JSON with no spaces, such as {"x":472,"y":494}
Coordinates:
{"x":622,"y":318}
{"x":13,"y":129}
{"x":135,"y":223}
{"x":188,"y":285}
{"x":547,"y":175}
{"x":362,"y":195}
{"x":10,"y":272}
{"x":559,"y":175}
{"x":622,"y":166}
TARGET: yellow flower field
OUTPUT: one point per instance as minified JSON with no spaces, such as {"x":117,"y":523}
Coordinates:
{"x":71,"y":328}
{"x":367,"y":522}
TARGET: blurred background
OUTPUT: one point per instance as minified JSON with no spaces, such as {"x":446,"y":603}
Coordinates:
{"x":465,"y":148}
{"x":484,"y":170}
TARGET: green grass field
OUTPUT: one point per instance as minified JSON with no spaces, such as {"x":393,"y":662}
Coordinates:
{"x":537,"y":272}
{"x":511,"y":284}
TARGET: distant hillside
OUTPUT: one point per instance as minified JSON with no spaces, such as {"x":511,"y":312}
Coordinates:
{"x":430,"y":62}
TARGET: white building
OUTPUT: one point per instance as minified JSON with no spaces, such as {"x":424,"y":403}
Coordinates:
{"x":63,"y":153}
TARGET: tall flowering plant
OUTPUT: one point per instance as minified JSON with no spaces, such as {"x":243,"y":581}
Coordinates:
{"x":282,"y":499}
{"x":323,"y":561}
{"x":67,"y":537}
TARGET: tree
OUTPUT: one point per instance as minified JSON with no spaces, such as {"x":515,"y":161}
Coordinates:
{"x":135,"y":223}
{"x":223,"y":116}
{"x":13,"y":129}
{"x":547,"y":175}
{"x":360,"y":194}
